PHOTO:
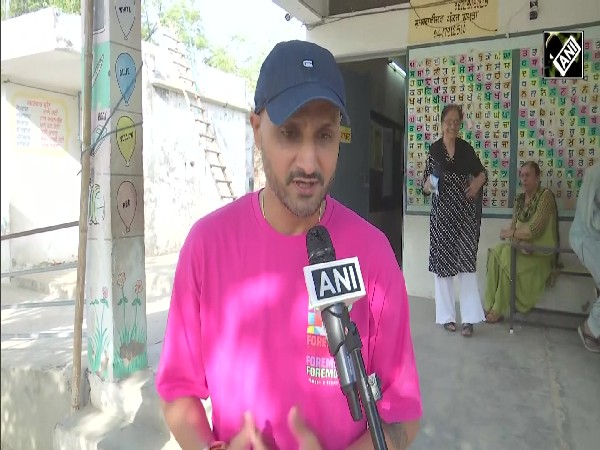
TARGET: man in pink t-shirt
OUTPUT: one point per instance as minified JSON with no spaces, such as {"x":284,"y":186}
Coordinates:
{"x":240,"y":329}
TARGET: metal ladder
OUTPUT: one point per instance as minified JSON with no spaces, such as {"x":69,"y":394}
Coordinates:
{"x":206,"y":132}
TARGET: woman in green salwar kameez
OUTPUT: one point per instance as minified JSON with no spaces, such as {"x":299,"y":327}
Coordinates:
{"x":535,"y":221}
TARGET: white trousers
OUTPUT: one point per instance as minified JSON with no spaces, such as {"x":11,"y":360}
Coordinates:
{"x":471,"y":310}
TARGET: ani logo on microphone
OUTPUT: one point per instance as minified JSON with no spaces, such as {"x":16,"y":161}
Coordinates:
{"x":334,"y":282}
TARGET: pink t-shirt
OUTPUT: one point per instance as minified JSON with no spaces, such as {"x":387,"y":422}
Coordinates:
{"x":240,"y":330}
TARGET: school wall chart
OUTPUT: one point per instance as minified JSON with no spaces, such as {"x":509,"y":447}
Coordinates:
{"x":559,"y":122}
{"x":481,"y":83}
{"x":511,"y":115}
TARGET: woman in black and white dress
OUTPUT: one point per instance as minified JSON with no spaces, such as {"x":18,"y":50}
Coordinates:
{"x":455,"y":176}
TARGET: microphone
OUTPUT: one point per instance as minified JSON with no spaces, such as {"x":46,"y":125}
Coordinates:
{"x":333,"y":286}
{"x":330,"y":281}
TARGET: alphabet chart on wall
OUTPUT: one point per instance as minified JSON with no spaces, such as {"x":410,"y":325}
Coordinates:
{"x":481,"y":84}
{"x":559,"y":122}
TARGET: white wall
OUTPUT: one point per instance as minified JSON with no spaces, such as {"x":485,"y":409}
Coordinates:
{"x":387,"y":33}
{"x":175,"y":166}
{"x":5,"y":162}
{"x":48,"y":39}
{"x":230,"y":128}
{"x":43,"y":22}
{"x":40,"y":183}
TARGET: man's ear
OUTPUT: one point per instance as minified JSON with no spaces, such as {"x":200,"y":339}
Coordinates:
{"x":255,"y":123}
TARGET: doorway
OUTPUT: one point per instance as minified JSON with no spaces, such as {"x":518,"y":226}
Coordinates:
{"x":370,"y":174}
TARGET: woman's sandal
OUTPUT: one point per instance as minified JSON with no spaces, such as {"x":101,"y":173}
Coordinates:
{"x":467,"y":329}
{"x":450,"y":326}
{"x":492,"y":317}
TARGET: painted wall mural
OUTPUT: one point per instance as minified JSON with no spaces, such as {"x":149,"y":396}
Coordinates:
{"x":125,"y":10}
{"x":97,"y":67}
{"x":131,"y":344}
{"x":126,"y":75}
{"x":126,"y":138}
{"x":98,"y":135}
{"x":41,"y":123}
{"x":97,"y":210}
{"x":116,"y":269}
{"x":101,"y":77}
{"x":98,"y":338}
{"x":127,"y":203}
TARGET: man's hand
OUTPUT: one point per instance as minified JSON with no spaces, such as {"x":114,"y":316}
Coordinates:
{"x":506,"y":233}
{"x":248,"y":437}
{"x":305,"y":438}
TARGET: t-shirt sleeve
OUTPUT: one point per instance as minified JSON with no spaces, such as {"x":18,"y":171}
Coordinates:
{"x":181,"y":368}
{"x":391,"y":350}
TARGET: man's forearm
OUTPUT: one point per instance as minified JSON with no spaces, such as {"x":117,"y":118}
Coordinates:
{"x":398,"y":436}
{"x":187,"y":421}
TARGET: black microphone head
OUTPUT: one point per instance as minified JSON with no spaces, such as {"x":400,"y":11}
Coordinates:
{"x":319,"y":246}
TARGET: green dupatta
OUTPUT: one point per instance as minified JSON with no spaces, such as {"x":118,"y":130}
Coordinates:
{"x":524,"y":213}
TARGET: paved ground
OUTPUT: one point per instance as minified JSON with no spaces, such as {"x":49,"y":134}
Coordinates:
{"x":535,"y":389}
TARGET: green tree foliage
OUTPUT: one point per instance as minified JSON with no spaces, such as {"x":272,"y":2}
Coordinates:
{"x":179,"y":17}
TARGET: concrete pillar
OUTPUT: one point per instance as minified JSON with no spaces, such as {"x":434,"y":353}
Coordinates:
{"x":115,"y":275}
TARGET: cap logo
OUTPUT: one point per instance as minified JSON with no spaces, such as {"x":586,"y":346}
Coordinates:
{"x":307,"y":63}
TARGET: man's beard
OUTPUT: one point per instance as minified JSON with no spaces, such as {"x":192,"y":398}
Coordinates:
{"x":299,"y":208}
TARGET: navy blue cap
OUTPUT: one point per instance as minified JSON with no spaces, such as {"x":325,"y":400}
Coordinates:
{"x":295,"y":73}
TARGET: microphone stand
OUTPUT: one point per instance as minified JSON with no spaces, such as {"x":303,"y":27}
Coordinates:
{"x":368,"y":386}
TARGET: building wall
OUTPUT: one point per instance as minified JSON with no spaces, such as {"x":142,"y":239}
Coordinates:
{"x":5,"y":161}
{"x":40,"y":178}
{"x":387,"y":87}
{"x":230,"y":128}
{"x":175,"y":166}
{"x":385,"y":34}
{"x":40,"y":143}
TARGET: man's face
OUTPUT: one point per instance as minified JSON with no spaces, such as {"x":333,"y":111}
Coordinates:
{"x":300,"y":156}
